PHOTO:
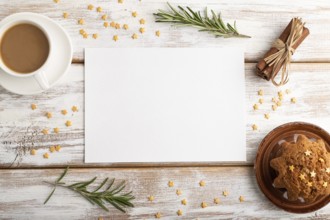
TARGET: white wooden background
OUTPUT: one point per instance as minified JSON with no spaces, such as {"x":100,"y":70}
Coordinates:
{"x":21,"y":189}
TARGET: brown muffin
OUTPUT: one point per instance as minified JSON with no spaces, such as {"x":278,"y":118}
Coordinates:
{"x":303,"y":169}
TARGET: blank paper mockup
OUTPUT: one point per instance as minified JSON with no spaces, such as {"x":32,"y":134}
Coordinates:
{"x":164,"y":105}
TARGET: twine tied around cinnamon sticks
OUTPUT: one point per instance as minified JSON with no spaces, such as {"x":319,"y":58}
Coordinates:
{"x":279,"y":56}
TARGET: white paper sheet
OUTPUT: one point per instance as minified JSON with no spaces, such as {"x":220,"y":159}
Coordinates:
{"x":164,"y":105}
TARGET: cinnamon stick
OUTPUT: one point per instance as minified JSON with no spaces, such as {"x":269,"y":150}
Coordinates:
{"x":263,"y":69}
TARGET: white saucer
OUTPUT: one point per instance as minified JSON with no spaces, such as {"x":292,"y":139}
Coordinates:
{"x":60,"y":57}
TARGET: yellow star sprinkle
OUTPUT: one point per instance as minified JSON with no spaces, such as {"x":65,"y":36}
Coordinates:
{"x":261,"y":101}
{"x":134,"y":14}
{"x":113,"y":24}
{"x":274,"y":107}
{"x":33,"y":106}
{"x":274,"y":99}
{"x":90,"y":7}
{"x":151,"y":198}
{"x":65,"y":15}
{"x":95,"y":36}
{"x":56,"y":130}
{"x":58,"y":148}
{"x":81,"y":21}
{"x":241,"y":199}
{"x":279,"y":103}
{"x":293,"y":100}
{"x":46,"y":155}
{"x":313,"y":174}
{"x":85,"y":35}
{"x":104,"y":17}
{"x":52,"y":149}
{"x":225,"y":193}
{"x":33,"y":152}
{"x":184,"y":202}
{"x":117,"y":26}
{"x":170,"y":184}
{"x":291,"y":168}
{"x":302,"y":176}
{"x":142,"y":30}
{"x":157,"y":33}
{"x":327,"y":170}
{"x":179,"y":212}
{"x":309,"y":184}
{"x":106,"y":24}
{"x":325,"y":184}
{"x":64,"y":112}
{"x":202,"y":183}
{"x":254,"y":127}
{"x":44,"y":131}
{"x":120,"y":1}
{"x":178,"y":192}
{"x":125,"y":26}
{"x":260,"y":92}
{"x":280,"y":93}
{"x":216,"y":200}
{"x":287,"y":91}
{"x":280,"y":98}
{"x":74,"y":108}
{"x":267,"y":116}
{"x":255,"y":106}
{"x":203,"y":205}
{"x":99,"y":9}
{"x":115,"y":37}
{"x":82,"y":31}
{"x":134,"y":36}
{"x":56,"y":1}
{"x":49,"y":115}
{"x":308,"y":152}
{"x":68,"y":123}
{"x":142,"y":21}
{"x":158,"y":215}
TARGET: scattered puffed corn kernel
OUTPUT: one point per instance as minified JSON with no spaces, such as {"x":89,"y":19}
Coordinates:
{"x":179,"y":212}
{"x":203,"y":205}
{"x":142,"y":30}
{"x":274,"y":107}
{"x":157,"y":33}
{"x":113,"y":24}
{"x":260,"y":92}
{"x":134,"y":14}
{"x":261,"y":101}
{"x":33,"y":152}
{"x":202,"y":183}
{"x":125,"y":26}
{"x":90,"y":7}
{"x":293,"y":100}
{"x":115,"y":37}
{"x":46,"y":155}
{"x":241,"y":199}
{"x":151,"y":198}
{"x":254,"y":127}
{"x":158,"y":215}
{"x":95,"y":36}
{"x":106,"y":24}
{"x":85,"y":35}
{"x":178,"y":192}
{"x":287,"y":91}
{"x":134,"y":36}
{"x":142,"y":21}
{"x":52,"y":149}
{"x":104,"y":17}
{"x":99,"y":9}
{"x":58,"y":147}
{"x":49,"y":115}
{"x":56,"y":130}
{"x":65,"y":15}
{"x":184,"y":202}
{"x":117,"y":26}
{"x":82,"y":31}
{"x":255,"y":106}
{"x":68,"y":123}
{"x":64,"y":112}
{"x":81,"y":21}
{"x":279,"y":103}
{"x":225,"y":193}
{"x":33,"y":106}
{"x":267,"y":116}
{"x":44,"y":131}
{"x":170,"y":184}
{"x":216,"y":200}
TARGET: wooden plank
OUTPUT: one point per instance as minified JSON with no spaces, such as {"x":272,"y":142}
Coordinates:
{"x":23,"y":193}
{"x":263,"y":20}
{"x":309,"y":83}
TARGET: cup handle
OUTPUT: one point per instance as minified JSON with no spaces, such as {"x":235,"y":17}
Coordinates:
{"x":42,"y":80}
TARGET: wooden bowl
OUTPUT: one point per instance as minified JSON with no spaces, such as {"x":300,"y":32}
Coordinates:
{"x":269,"y":149}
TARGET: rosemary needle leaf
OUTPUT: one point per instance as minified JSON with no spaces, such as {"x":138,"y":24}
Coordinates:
{"x":188,"y":17}
{"x":50,"y":195}
{"x":63,"y":174}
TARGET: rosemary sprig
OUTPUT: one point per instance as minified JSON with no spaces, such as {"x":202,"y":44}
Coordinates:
{"x":187,"y":17}
{"x":111,"y":194}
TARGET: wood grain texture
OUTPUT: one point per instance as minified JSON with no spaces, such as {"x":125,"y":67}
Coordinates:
{"x":309,"y":83}
{"x":263,"y":20}
{"x":23,"y":193}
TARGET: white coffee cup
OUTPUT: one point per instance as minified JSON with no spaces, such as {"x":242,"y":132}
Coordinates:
{"x":40,"y":74}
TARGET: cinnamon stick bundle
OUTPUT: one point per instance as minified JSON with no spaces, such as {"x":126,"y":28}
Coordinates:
{"x":267,"y":70}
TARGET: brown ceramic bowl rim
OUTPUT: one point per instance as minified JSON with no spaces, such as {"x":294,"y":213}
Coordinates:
{"x":280,"y":130}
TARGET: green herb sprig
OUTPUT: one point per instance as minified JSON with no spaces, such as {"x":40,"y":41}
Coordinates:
{"x":187,"y":17}
{"x":111,"y":194}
